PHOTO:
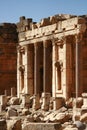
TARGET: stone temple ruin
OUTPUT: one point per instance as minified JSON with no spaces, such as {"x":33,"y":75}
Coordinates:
{"x":51,"y":74}
{"x":52,"y":58}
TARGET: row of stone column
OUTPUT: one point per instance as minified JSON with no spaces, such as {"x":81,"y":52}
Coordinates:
{"x":45,"y":71}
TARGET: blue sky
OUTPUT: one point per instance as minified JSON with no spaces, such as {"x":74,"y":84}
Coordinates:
{"x":11,"y":10}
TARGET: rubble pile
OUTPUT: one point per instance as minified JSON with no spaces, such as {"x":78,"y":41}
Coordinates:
{"x":16,"y":117}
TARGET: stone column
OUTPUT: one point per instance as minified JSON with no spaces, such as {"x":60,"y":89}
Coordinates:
{"x":13,"y":92}
{"x":45,"y":94}
{"x":31,"y":69}
{"x":36,"y":103}
{"x":77,"y":66}
{"x":45,"y":66}
{"x":76,"y":111}
{"x":78,"y":70}
{"x":5,"y":92}
{"x":54,"y":59}
{"x":19,"y":62}
{"x":26,"y":72}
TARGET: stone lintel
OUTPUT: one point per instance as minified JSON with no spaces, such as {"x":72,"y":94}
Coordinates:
{"x":31,"y":39}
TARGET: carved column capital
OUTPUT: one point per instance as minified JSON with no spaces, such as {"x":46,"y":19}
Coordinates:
{"x":78,"y":38}
{"x":61,"y":42}
{"x":45,"y":43}
{"x":54,"y":41}
{"x":36,"y":44}
{"x":58,"y":42}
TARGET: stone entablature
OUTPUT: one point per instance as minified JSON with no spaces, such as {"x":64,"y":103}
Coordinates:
{"x":58,"y":29}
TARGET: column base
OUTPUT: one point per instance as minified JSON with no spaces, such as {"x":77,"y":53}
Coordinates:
{"x":58,"y":102}
{"x":76,"y":114}
{"x":36,"y":102}
{"x":84,"y":106}
{"x":25,"y":100}
{"x":76,"y":111}
{"x":45,"y":101}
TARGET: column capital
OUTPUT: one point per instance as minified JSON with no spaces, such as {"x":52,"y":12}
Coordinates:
{"x":54,"y":41}
{"x":78,"y":38}
{"x":36,"y":44}
{"x":46,"y":43}
{"x":58,"y":42}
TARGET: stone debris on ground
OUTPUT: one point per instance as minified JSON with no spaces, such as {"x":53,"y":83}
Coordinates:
{"x":18,"y":118}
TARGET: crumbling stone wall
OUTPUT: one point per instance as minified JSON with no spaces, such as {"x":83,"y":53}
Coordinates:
{"x":8,"y":56}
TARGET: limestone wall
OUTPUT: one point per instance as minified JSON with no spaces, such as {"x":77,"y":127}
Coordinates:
{"x":8,"y":57}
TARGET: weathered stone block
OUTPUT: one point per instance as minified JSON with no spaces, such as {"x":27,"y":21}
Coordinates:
{"x":42,"y":126}
{"x":3,"y":125}
{"x":14,"y":124}
{"x":11,"y":112}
